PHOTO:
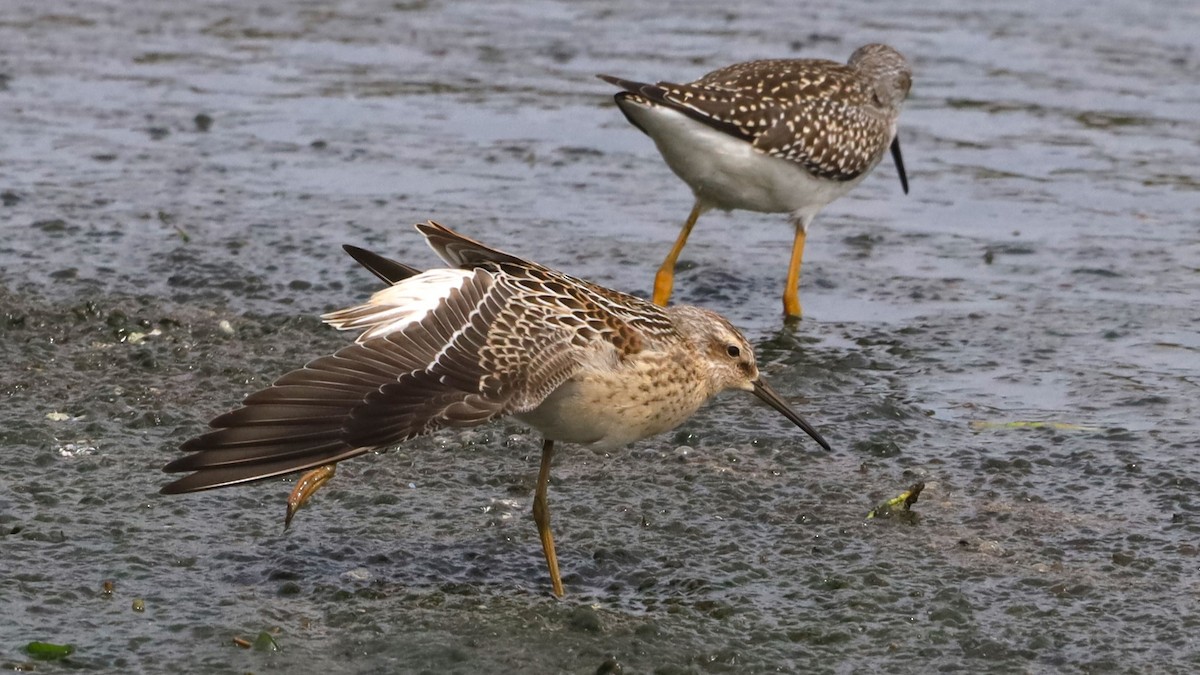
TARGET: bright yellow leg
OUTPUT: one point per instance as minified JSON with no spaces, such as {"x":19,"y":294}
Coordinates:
{"x":665,"y":279}
{"x":791,"y":292}
{"x":305,"y":488}
{"x":541,"y":516}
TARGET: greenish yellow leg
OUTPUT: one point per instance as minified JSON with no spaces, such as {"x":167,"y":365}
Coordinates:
{"x":541,"y":516}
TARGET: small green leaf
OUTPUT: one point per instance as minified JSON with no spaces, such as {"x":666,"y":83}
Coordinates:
{"x":902,"y":502}
{"x":265,"y":643}
{"x":48,"y":651}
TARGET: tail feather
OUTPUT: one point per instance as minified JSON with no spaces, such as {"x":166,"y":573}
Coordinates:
{"x":389,"y":271}
{"x":628,"y":85}
{"x":461,"y":251}
{"x":635,"y":94}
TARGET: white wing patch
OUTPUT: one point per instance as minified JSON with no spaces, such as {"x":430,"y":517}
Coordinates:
{"x":397,"y":306}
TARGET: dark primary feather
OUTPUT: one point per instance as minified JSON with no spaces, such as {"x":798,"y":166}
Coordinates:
{"x":389,"y":271}
{"x":366,"y":396}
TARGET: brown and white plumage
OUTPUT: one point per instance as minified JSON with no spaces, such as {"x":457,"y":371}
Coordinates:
{"x":774,"y":136}
{"x":493,"y":335}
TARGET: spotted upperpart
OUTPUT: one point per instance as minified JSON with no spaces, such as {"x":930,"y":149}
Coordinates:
{"x":835,"y":120}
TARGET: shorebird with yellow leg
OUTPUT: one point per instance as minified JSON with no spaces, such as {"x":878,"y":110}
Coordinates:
{"x":490,"y":335}
{"x":774,"y":136}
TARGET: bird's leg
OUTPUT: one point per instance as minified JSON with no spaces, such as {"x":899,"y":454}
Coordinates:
{"x":665,"y":279}
{"x":541,"y":516}
{"x":791,"y":291}
{"x":305,"y":488}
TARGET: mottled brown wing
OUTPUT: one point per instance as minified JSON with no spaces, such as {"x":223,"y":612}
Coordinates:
{"x":506,"y":354}
{"x":707,"y":111}
{"x":498,"y":343}
{"x":613,"y":315}
{"x":460,"y":251}
{"x":597,"y":315}
{"x":782,"y":79}
{"x":828,"y":138}
{"x":366,"y":396}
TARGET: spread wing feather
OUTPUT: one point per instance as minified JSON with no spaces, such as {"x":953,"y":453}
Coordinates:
{"x":444,"y":348}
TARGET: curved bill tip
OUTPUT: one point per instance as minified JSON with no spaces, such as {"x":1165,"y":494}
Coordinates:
{"x":763,"y":391}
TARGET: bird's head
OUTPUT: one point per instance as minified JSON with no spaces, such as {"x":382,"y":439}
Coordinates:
{"x":728,"y":357}
{"x":888,"y":69}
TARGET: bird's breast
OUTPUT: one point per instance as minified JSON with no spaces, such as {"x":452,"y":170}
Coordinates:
{"x":615,"y":408}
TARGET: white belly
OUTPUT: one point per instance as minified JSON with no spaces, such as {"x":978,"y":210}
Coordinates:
{"x":728,"y":173}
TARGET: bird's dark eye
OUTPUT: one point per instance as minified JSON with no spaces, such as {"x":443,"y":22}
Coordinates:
{"x":733,"y":351}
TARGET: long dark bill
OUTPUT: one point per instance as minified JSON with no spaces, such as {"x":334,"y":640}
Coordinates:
{"x":768,"y":396}
{"x":899,"y":160}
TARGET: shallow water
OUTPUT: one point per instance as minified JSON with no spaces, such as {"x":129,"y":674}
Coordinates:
{"x":1044,"y":269}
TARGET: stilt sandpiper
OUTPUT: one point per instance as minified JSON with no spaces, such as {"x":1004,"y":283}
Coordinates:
{"x":491,"y":335}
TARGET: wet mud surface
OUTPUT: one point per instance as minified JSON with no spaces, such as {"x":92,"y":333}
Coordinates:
{"x":1020,"y":333}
